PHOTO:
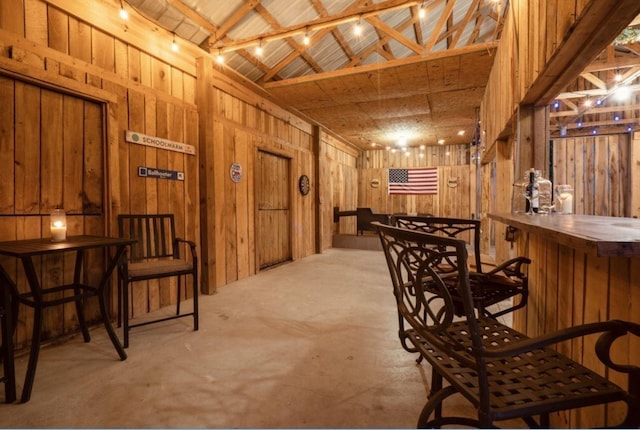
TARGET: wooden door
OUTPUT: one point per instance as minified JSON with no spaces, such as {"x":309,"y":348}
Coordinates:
{"x":273,"y":224}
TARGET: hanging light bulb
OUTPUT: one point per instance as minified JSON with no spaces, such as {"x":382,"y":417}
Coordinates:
{"x":123,"y":12}
{"x":357,"y":29}
{"x":618,"y":76}
{"x":622,"y":93}
{"x":220,"y":58}
{"x":422,"y":12}
{"x":259,"y":49}
{"x":307,"y":40}
{"x":174,"y":45}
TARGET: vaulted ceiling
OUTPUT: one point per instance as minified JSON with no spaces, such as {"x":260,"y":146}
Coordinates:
{"x":416,"y":72}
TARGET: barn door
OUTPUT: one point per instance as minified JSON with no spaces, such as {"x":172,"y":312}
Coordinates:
{"x":273,"y":226}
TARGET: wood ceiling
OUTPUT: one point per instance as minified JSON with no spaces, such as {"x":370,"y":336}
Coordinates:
{"x":416,"y":73}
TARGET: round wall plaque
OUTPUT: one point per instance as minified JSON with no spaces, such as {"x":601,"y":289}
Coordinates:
{"x":304,"y":185}
{"x":235,"y":172}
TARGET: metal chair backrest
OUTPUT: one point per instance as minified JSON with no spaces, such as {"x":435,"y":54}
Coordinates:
{"x":155,"y":235}
{"x":460,"y":228}
{"x":415,"y":258}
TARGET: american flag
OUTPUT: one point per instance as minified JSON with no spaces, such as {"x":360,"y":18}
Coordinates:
{"x":413,"y":181}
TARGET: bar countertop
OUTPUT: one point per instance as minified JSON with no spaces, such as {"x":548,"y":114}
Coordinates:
{"x":607,"y":236}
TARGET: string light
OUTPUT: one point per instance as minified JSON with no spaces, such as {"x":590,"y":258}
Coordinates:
{"x":357,"y":28}
{"x":174,"y":45}
{"x":123,"y":12}
{"x":440,"y":141}
{"x":422,"y":12}
{"x":306,"y":41}
{"x":618,"y":76}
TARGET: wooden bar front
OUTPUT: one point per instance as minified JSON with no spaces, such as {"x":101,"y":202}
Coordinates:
{"x":584,"y":269}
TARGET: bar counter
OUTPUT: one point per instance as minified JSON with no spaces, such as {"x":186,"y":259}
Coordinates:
{"x":607,"y":236}
{"x":583,"y":269}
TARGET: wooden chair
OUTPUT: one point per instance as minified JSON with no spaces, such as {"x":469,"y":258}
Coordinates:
{"x":489,"y":287}
{"x":503,"y":374}
{"x":155,"y":255}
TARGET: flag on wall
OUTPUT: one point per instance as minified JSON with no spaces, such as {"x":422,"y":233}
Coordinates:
{"x":413,"y":181}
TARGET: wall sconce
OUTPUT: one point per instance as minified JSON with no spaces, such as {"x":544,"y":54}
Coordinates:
{"x":58,"y":225}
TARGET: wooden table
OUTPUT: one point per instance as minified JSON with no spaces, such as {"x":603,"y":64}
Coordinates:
{"x":25,"y":251}
{"x":583,"y":269}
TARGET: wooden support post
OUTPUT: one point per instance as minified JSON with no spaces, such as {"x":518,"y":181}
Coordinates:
{"x":205,"y":99}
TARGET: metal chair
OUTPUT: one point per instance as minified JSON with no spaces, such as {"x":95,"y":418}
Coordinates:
{"x":504,"y":281}
{"x":501,"y":372}
{"x":155,"y":255}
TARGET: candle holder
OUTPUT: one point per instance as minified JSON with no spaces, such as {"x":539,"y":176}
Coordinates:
{"x":58,"y":225}
{"x":564,"y":195}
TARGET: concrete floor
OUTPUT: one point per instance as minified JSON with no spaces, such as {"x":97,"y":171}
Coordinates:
{"x":312,"y":343}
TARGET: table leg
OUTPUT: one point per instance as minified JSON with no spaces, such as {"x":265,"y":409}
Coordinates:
{"x":120,"y":250}
{"x":38,"y":311}
{"x":79,"y":301}
{"x":7,"y":345}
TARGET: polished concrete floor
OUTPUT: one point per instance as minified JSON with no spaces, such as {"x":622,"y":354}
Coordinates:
{"x":311,"y":343}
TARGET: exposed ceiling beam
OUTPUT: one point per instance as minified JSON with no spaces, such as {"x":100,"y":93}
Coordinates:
{"x":325,"y":22}
{"x":596,"y":27}
{"x":490,"y":46}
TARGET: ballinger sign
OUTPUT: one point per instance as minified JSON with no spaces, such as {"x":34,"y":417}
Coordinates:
{"x":156,"y":142}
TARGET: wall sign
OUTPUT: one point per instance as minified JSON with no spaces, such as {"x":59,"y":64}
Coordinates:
{"x":235,"y":172}
{"x":375,"y":183}
{"x":151,"y":172}
{"x":157,"y":142}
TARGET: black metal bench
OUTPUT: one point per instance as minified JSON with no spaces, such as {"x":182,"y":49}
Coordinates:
{"x":503,"y":374}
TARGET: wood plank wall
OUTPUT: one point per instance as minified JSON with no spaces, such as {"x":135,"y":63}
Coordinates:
{"x":241,"y":125}
{"x":532,"y":32}
{"x":67,"y":53}
{"x":598,"y":168}
{"x":339,"y":171}
{"x":570,"y":287}
{"x":456,"y":183}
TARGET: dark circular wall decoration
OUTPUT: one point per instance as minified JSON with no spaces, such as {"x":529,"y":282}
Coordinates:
{"x":303,"y":185}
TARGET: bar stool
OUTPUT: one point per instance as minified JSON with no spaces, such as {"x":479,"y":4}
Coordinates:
{"x":6,"y":350}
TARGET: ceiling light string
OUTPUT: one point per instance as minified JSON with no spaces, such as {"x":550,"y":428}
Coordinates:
{"x":174,"y":44}
{"x":306,"y":41}
{"x":422,"y":12}
{"x":357,"y":28}
{"x":312,"y":27}
{"x":123,"y":12}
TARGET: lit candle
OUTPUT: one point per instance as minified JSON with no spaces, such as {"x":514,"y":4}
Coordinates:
{"x":58,"y":225}
{"x":567,"y":203}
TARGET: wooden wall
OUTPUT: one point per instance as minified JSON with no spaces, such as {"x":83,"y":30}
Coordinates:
{"x":127,"y":71}
{"x":533,"y":31}
{"x":236,"y":123}
{"x":339,"y":172}
{"x":571,"y":287}
{"x":456,"y":183}
{"x":598,"y":168}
